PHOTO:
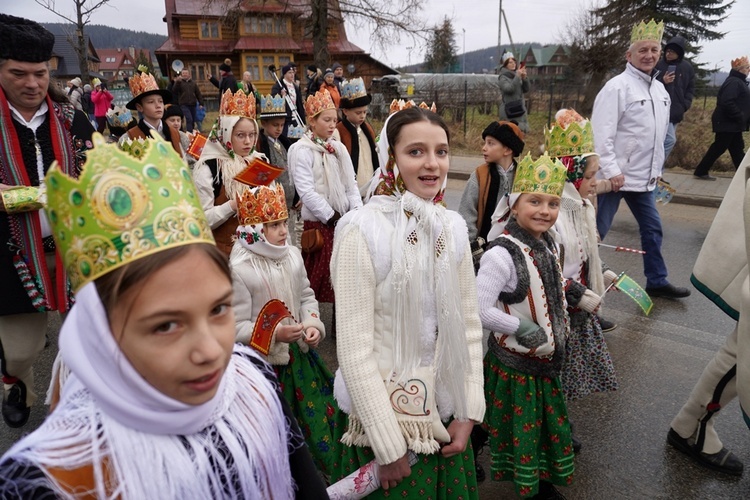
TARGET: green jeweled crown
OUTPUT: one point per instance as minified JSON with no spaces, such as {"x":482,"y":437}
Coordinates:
{"x":545,"y":175}
{"x":574,"y":140}
{"x":122,"y":209}
{"x":647,"y":32}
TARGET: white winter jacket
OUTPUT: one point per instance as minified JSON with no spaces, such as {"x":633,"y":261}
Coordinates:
{"x":630,"y":119}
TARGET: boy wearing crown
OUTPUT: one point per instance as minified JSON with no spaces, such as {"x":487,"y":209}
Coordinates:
{"x":355,"y":133}
{"x":630,"y":141}
{"x":149,"y":100}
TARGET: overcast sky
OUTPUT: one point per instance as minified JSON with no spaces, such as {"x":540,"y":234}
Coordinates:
{"x":529,"y":20}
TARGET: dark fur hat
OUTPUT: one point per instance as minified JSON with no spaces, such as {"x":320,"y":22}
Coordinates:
{"x":172,"y":110}
{"x":507,"y":133}
{"x":24,"y":40}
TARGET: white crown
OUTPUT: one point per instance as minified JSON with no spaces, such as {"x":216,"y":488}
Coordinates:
{"x":353,"y":89}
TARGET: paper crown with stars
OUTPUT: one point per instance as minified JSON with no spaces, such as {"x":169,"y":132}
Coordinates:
{"x":544,"y":175}
{"x":354,"y":94}
{"x":121,"y":209}
{"x":272,"y":107}
{"x":571,"y":135}
{"x":319,"y":102}
{"x":647,"y":32}
{"x":237,"y":104}
{"x":262,"y":204}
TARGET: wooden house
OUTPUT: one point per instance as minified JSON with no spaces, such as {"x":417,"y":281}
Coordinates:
{"x":271,"y":32}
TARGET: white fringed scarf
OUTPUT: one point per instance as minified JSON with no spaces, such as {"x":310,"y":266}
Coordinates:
{"x":143,"y":444}
{"x":577,"y":229}
{"x":326,"y":168}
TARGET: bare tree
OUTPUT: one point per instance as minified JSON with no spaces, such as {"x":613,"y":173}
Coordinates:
{"x":386,"y":21}
{"x":83,"y":11}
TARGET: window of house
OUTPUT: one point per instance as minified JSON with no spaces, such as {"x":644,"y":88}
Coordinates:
{"x":252,"y":64}
{"x":265,"y":25}
{"x":209,"y":29}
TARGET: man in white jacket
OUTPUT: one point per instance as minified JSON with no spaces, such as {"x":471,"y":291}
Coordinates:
{"x":630,"y":119}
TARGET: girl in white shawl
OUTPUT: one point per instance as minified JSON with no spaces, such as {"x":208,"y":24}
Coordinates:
{"x":409,"y":337}
{"x":159,"y":402}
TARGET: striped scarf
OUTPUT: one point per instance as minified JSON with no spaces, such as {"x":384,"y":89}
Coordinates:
{"x":25,"y":229}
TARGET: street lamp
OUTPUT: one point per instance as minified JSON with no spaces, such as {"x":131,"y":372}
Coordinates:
{"x":463,"y":62}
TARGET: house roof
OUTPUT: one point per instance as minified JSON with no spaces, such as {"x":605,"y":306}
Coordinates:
{"x":219,"y":8}
{"x":113,"y":59}
{"x":542,"y":56}
{"x":266,"y":43}
{"x":68,"y":58}
{"x":196,"y":46}
{"x":334,"y":47}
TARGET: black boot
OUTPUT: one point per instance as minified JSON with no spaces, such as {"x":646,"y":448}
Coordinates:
{"x":479,"y":438}
{"x":547,"y":491}
{"x":15,"y":412}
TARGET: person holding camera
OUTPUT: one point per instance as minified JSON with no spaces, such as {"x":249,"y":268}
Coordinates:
{"x":678,"y":76}
{"x":102,"y":99}
{"x":514,"y":83}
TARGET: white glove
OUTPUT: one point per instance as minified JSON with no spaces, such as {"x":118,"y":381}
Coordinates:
{"x":609,"y":277}
{"x":590,"y":302}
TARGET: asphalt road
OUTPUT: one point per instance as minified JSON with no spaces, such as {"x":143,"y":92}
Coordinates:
{"x":658,"y":359}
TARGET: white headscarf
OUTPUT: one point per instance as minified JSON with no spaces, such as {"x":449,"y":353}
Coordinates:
{"x":141,"y":443}
{"x":219,"y":148}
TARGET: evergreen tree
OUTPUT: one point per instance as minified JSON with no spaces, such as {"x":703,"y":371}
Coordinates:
{"x":441,"y":54}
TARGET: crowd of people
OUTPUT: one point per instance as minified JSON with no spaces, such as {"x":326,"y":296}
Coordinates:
{"x":187,"y":364}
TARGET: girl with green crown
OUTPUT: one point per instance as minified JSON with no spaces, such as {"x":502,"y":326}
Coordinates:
{"x":158,"y":401}
{"x":522,"y":303}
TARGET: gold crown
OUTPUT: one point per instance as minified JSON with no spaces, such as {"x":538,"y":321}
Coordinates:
{"x":572,"y":135}
{"x":545,"y":176}
{"x":142,"y":82}
{"x":651,"y":32}
{"x":740,"y":62}
{"x":237,"y":104}
{"x":272,"y":106}
{"x":316,"y":104}
{"x":121,"y":208}
{"x":262,"y":204}
{"x":400,"y":105}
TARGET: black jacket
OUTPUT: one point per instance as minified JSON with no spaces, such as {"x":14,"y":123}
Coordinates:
{"x":300,"y":101}
{"x":187,"y":92}
{"x":229,"y":82}
{"x":682,"y":89}
{"x":732,"y":113}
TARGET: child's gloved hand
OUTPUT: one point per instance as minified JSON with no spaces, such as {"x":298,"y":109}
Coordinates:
{"x":609,"y":277}
{"x":590,"y":302}
{"x":529,"y":334}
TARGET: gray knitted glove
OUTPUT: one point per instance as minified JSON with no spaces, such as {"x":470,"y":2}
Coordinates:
{"x":529,"y":334}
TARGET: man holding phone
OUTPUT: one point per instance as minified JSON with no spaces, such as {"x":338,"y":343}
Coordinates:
{"x":678,"y":76}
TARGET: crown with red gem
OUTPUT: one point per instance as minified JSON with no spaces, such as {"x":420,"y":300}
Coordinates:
{"x":400,"y":105}
{"x":237,"y":104}
{"x":316,"y":104}
{"x":262,"y":204}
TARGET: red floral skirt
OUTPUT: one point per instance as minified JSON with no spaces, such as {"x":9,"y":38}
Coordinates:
{"x":318,"y":264}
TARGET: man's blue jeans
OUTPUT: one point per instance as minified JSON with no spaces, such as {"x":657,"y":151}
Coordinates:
{"x":670,"y":140}
{"x":643,"y":207}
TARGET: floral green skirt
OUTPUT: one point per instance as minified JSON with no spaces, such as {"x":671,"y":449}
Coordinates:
{"x":307,"y":385}
{"x":529,"y":431}
{"x":432,"y":477}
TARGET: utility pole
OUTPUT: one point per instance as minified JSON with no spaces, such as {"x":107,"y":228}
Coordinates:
{"x":463,"y":61}
{"x":499,"y":33}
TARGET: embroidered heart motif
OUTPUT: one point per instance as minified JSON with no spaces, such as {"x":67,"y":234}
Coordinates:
{"x":410,"y":398}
